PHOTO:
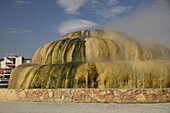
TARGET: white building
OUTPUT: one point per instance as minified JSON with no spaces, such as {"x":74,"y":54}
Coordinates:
{"x":11,"y":60}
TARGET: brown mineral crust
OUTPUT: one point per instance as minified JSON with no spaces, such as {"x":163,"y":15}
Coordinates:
{"x":95,"y":59}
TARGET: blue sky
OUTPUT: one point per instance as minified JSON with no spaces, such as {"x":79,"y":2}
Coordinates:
{"x":25,"y":25}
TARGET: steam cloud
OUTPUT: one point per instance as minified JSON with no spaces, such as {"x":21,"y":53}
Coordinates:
{"x":149,"y":23}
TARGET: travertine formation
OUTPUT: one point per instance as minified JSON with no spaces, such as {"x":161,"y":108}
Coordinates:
{"x":87,"y":95}
{"x":95,"y":59}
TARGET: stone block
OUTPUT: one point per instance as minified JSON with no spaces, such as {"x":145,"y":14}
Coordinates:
{"x":87,"y":95}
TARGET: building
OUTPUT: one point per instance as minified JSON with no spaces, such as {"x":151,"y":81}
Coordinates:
{"x":10,"y":61}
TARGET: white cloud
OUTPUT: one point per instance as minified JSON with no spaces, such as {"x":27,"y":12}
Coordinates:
{"x":75,"y":25}
{"x":105,"y":8}
{"x":12,"y":30}
{"x":113,"y":11}
{"x":22,"y":2}
{"x":150,"y":23}
{"x":119,"y":9}
{"x":26,"y":31}
{"x":71,"y":6}
{"x":109,"y":8}
{"x":112,"y":2}
{"x":15,"y":31}
{"x":94,"y":1}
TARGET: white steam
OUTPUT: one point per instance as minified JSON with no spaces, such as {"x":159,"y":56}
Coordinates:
{"x":150,"y":23}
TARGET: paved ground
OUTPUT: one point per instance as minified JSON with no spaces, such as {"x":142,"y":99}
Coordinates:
{"x":41,"y":107}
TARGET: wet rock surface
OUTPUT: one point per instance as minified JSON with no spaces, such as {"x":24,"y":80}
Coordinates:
{"x":95,"y":59}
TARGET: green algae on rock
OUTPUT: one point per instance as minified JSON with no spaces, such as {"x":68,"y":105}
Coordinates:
{"x":95,"y":59}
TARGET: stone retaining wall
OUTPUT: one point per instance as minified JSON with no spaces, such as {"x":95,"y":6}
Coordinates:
{"x":87,"y":95}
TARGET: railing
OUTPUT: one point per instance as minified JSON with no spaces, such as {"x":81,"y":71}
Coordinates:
{"x":10,"y":64}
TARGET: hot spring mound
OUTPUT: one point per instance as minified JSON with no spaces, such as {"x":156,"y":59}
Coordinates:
{"x":95,"y":59}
